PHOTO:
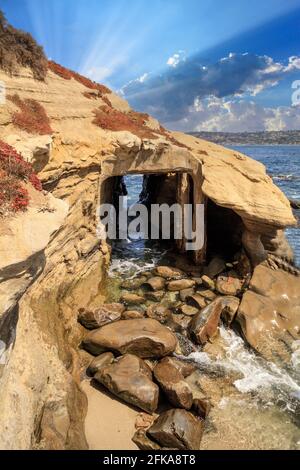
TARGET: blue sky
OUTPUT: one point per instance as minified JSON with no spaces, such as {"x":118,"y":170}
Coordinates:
{"x":194,"y":64}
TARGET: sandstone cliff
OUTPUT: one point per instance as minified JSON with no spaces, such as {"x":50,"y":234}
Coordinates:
{"x":51,"y":259}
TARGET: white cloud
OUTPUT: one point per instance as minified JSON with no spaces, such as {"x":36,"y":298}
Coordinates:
{"x":176,"y":58}
{"x":99,"y":73}
{"x":223,"y":115}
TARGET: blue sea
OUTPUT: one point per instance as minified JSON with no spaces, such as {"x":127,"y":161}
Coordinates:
{"x":283,"y":165}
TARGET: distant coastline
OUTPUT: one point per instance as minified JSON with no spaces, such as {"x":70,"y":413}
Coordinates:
{"x":251,"y":138}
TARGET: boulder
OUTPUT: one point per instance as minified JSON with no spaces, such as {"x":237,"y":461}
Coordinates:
{"x":208,"y":282}
{"x":130,"y":379}
{"x":132,"y":299}
{"x":173,"y":384}
{"x":155,"y":283}
{"x":180,"y":323}
{"x":229,"y":312}
{"x":207,"y":294}
{"x":182,"y":284}
{"x":204,"y":325}
{"x":156,"y":296}
{"x":177,"y":428}
{"x":183,"y":294}
{"x":169,"y":273}
{"x":229,"y":284}
{"x":159,"y":313}
{"x":269,"y":314}
{"x":184,"y":367}
{"x":201,"y":407}
{"x":107,"y":313}
{"x":188,"y":310}
{"x":144,"y":442}
{"x":215,"y":267}
{"x":132,"y":314}
{"x":196,"y":301}
{"x":99,"y":362}
{"x":144,"y":337}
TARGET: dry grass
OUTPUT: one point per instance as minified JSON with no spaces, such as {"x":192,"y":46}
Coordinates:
{"x":19,"y":49}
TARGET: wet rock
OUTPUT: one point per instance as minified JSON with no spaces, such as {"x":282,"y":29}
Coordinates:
{"x":243,"y":265}
{"x":184,"y":367}
{"x":144,"y":421}
{"x":202,"y":407}
{"x":177,"y":428}
{"x":198,"y":281}
{"x":156,"y":296}
{"x":196,"y":301}
{"x":144,"y":442}
{"x":204,"y":325}
{"x":215,"y":267}
{"x":144,"y":337}
{"x":188,"y":310}
{"x":159,"y":313}
{"x":269,"y":314}
{"x":183,"y":294}
{"x":99,"y":362}
{"x":208,"y":282}
{"x":173,"y":384}
{"x":130,"y":379}
{"x":155,"y":283}
{"x":180,"y":322}
{"x":134,"y":284}
{"x":229,"y":312}
{"x":229,"y":285}
{"x":132,"y":299}
{"x":181,"y":285}
{"x":207,"y":294}
{"x":107,"y":313}
{"x":132,"y":314}
{"x":169,"y":273}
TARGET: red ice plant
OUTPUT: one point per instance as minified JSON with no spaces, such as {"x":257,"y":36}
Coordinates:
{"x":32,"y":116}
{"x":14,"y":170}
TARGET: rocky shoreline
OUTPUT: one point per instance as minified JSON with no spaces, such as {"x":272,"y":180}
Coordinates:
{"x":139,"y":345}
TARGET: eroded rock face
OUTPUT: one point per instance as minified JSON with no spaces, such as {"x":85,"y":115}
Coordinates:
{"x":269,"y":314}
{"x":108,"y":313}
{"x":172,"y":383}
{"x":130,"y":379}
{"x":177,"y":429}
{"x":204,"y":325}
{"x":143,"y":442}
{"x":144,"y":337}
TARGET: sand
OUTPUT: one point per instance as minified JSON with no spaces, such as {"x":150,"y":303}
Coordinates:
{"x":109,"y":424}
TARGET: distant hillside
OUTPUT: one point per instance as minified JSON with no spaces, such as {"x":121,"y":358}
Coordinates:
{"x":251,"y":138}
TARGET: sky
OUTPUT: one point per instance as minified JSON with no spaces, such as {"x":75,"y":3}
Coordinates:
{"x":196,"y":65}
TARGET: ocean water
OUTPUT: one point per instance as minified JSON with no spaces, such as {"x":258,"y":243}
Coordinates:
{"x":283,"y":165}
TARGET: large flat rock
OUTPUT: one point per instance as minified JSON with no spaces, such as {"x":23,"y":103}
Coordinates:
{"x":144,"y":337}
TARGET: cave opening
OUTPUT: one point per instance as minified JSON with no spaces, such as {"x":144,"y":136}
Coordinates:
{"x":147,"y":189}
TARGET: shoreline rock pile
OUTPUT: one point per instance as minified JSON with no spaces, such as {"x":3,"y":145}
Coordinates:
{"x":136,"y":341}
